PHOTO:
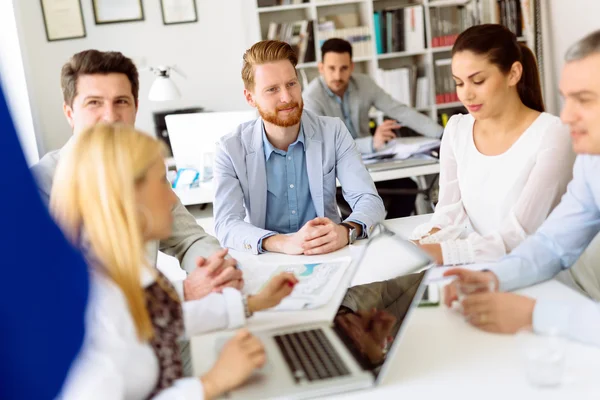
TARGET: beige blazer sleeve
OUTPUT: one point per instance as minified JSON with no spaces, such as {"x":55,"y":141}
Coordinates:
{"x":188,"y":241}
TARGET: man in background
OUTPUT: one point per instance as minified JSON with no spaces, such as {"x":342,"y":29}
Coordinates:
{"x":342,"y":93}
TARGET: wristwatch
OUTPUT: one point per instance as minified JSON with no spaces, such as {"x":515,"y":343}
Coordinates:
{"x":247,"y":312}
{"x":351,"y":232}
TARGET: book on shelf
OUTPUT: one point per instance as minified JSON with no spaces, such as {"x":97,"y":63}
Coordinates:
{"x":398,"y":83}
{"x":360,"y":38}
{"x":399,"y":29}
{"x":510,"y":15}
{"x":271,"y":3}
{"x":449,"y":21}
{"x":422,"y":92}
{"x":298,"y":34}
{"x":445,"y":88}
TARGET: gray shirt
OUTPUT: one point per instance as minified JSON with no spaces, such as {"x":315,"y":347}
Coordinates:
{"x":187,"y":242}
{"x":362,"y":94}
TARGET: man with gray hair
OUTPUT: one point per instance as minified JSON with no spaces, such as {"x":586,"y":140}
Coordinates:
{"x":564,"y":236}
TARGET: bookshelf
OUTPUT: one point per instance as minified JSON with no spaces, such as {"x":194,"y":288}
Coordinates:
{"x":357,"y":19}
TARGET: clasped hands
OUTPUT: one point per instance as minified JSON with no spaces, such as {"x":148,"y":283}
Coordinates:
{"x":318,"y":236}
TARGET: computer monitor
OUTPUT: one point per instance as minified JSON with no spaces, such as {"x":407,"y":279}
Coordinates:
{"x":160,"y":125}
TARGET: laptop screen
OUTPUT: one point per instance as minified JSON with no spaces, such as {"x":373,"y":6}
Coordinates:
{"x":371,"y":316}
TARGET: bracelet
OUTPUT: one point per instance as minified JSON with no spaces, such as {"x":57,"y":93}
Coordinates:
{"x":247,"y":312}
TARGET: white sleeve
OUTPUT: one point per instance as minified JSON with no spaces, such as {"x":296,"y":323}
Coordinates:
{"x":543,"y":190}
{"x":183,"y":389}
{"x":450,"y":215}
{"x":576,"y":320}
{"x":213,"y":312}
{"x":97,"y":371}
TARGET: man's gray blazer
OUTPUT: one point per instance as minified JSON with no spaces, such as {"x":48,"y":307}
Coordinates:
{"x":240,"y":206}
{"x":363,"y":94}
{"x":187,"y":242}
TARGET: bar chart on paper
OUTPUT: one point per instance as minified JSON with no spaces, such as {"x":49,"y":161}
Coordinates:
{"x":316,"y":283}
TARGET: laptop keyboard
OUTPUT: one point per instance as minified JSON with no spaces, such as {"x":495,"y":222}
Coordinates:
{"x":310,"y":356}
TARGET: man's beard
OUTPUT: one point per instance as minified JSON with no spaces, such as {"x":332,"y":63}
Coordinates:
{"x":291,"y":120}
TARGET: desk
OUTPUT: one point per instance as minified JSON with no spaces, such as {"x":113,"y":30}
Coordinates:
{"x":204,"y":194}
{"x":440,"y":355}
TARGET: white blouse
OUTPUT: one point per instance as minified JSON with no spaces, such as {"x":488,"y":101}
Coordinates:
{"x":489,"y":204}
{"x":114,"y":364}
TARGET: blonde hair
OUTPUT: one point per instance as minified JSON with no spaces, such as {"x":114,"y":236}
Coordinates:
{"x":264,"y":52}
{"x":94,"y":195}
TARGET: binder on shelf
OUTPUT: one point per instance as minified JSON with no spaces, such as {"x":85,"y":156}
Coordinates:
{"x":360,"y":38}
{"x":398,"y":83}
{"x":377,"y":28}
{"x":445,"y":91}
{"x":449,"y":21}
{"x":511,"y":15}
{"x":299,"y":34}
{"x":271,"y":3}
{"x":422,"y":92}
{"x":400,"y":29}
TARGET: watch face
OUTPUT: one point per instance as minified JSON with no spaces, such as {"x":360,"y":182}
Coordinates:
{"x":352,"y":235}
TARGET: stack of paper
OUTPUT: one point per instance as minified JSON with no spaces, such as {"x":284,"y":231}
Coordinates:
{"x":317,"y":282}
{"x":401,"y":151}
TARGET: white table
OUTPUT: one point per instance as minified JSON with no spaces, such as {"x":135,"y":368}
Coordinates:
{"x":440,"y":355}
{"x":204,"y":194}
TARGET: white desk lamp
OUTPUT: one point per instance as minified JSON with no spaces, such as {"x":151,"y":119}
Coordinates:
{"x":163,"y":88}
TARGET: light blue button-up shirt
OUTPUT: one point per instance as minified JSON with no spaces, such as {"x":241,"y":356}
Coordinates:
{"x":557,"y":245}
{"x":289,"y":202}
{"x":344,"y":106}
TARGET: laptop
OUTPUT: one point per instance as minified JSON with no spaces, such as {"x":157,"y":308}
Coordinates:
{"x":352,"y":351}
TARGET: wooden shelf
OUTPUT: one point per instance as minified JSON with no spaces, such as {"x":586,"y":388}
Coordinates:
{"x":361,"y":59}
{"x":444,"y":3}
{"x":336,"y":2}
{"x":283,"y":8}
{"x":445,"y":106}
{"x":312,"y":64}
{"x":441,"y":49}
{"x":400,"y":54}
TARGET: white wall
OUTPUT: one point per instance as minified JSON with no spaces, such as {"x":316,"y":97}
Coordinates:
{"x":570,"y":20}
{"x":208,"y":51}
{"x":14,"y":83}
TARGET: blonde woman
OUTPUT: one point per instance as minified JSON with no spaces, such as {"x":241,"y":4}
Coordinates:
{"x":111,"y":196}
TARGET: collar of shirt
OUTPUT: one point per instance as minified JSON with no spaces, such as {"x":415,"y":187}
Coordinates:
{"x":269,"y":148}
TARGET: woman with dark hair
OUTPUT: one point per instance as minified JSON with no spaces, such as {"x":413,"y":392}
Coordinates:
{"x":506,"y":164}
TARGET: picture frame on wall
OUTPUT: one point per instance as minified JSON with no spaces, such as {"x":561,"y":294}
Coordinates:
{"x":117,"y":11}
{"x":63,"y":19}
{"x":178,"y":11}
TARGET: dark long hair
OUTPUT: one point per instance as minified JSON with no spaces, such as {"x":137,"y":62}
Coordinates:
{"x":501,"y":48}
